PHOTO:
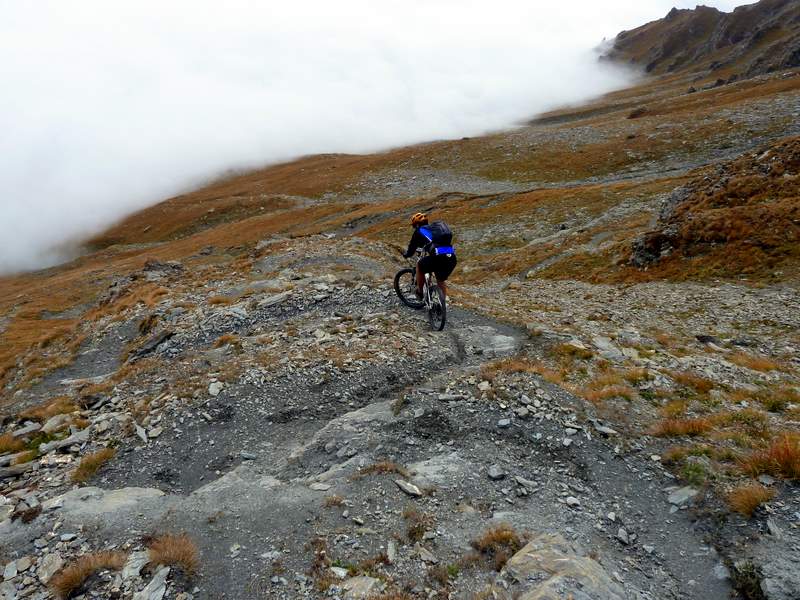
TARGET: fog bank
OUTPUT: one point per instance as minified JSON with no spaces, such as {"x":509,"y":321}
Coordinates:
{"x":108,"y":107}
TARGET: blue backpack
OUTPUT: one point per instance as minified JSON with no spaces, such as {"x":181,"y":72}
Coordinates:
{"x":439,"y":236}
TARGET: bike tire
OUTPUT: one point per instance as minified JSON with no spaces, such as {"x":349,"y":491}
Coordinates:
{"x":404,"y":286}
{"x":437,"y":314}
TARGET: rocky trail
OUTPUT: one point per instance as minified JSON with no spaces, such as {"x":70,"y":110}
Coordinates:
{"x":407,"y":454}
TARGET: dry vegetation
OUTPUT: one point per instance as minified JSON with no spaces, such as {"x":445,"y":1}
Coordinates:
{"x":57,"y":406}
{"x":70,"y":579}
{"x":780,"y":459}
{"x":682,"y":427}
{"x":417,"y":523}
{"x":383,"y":467}
{"x":91,"y":463}
{"x":498,"y":544}
{"x":746,"y":498}
{"x":175,"y":550}
{"x":8,"y":443}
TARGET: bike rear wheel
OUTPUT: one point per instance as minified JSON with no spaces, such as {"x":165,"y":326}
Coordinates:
{"x":437,"y":313}
{"x":405,"y":284}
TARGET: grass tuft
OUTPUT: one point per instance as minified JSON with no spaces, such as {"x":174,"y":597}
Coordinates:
{"x":58,"y":406}
{"x":745,"y":499}
{"x":780,"y":459}
{"x":175,"y":550}
{"x":71,"y":578}
{"x":417,"y":523}
{"x":498,"y":544}
{"x":681,"y":427}
{"x":754,"y":363}
{"x":91,"y":463}
{"x":8,"y":443}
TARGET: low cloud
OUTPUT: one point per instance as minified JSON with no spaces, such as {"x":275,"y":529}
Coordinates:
{"x":108,"y":107}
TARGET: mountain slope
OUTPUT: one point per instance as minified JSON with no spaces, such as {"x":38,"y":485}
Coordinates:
{"x":751,"y":40}
{"x":619,"y":378}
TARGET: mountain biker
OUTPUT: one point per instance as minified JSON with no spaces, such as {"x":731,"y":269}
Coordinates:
{"x":440,"y":256}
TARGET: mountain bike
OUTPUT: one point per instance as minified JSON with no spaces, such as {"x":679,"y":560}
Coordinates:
{"x":433,"y":298}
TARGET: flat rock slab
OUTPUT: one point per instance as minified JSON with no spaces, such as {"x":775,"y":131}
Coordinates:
{"x":90,"y":501}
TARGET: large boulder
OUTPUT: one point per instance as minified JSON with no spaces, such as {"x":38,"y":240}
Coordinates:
{"x":551,"y":568}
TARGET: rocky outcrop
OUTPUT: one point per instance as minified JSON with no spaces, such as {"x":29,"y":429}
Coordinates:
{"x":549,"y":568}
{"x":752,"y":40}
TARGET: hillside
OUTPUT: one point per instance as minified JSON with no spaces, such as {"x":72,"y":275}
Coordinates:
{"x":224,"y":398}
{"x":753,"y":39}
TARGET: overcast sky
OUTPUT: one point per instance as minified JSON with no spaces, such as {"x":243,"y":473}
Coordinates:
{"x":107,"y":107}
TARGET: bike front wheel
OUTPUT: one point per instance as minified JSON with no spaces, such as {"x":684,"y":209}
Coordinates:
{"x":437,"y":312}
{"x":405,"y":284}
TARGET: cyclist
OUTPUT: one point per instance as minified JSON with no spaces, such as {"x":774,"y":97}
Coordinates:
{"x":440,"y":257}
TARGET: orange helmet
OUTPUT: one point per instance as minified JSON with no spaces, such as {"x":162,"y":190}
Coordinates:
{"x":419,"y":219}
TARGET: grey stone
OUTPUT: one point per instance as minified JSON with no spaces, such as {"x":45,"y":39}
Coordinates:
{"x":622,"y":536}
{"x":572,"y":502}
{"x":134,"y":565}
{"x":721,"y":572}
{"x":340,"y":572}
{"x":360,"y":588}
{"x":496,"y":473}
{"x":8,"y":591}
{"x":24,"y":563}
{"x":157,"y":587}
{"x":682,"y":495}
{"x":49,"y":565}
{"x":76,"y":438}
{"x":215,"y":387}
{"x":56,"y":422}
{"x":408,"y":488}
{"x":10,"y":571}
{"x":504,"y":423}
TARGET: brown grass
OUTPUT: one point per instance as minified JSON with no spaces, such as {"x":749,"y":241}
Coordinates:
{"x":637,"y":375}
{"x":228,"y":339}
{"x":71,"y":578}
{"x":681,"y":427}
{"x":383,"y":467}
{"x":780,"y":459}
{"x":8,"y":443}
{"x":91,"y":463}
{"x":773,"y":399}
{"x":417,"y":523}
{"x":745,"y":499}
{"x":700,"y":384}
{"x":520,"y":365}
{"x":606,"y":385}
{"x":498,"y":544}
{"x":220,"y":300}
{"x":572,"y":351}
{"x":755,"y":363}
{"x":25,"y":457}
{"x":674,"y":409}
{"x":175,"y":550}
{"x":58,"y":406}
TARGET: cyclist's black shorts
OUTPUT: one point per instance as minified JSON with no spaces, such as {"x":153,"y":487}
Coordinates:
{"x":442,"y":265}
